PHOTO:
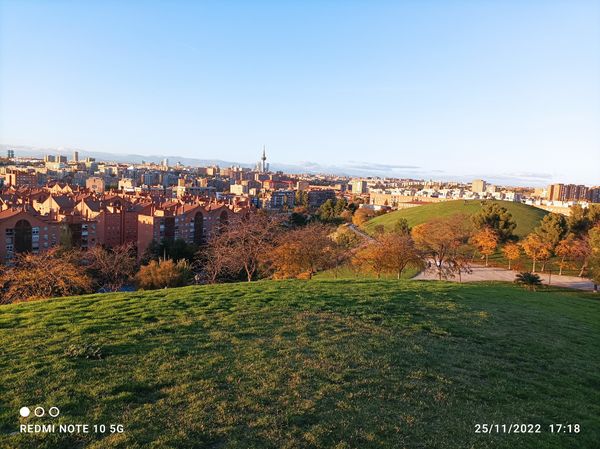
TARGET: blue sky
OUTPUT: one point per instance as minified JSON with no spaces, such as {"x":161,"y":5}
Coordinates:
{"x":499,"y":89}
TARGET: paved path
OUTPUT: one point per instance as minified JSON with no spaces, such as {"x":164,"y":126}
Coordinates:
{"x":359,"y":232}
{"x":501,"y":274}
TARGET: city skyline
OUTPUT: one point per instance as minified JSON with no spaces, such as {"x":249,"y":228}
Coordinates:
{"x":442,"y":90}
{"x":351,"y":169}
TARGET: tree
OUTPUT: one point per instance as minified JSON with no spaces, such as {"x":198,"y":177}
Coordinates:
{"x":298,"y":219}
{"x":379,"y":230}
{"x":578,"y":221}
{"x":460,"y":261}
{"x":399,"y":252}
{"x":536,"y":249}
{"x":572,"y":249}
{"x":496,"y":217}
{"x":339,"y":254}
{"x":326,"y":212}
{"x":511,"y":251}
{"x":177,"y":249}
{"x":45,"y":275}
{"x":594,"y":256}
{"x":552,"y":229}
{"x":486,"y":242}
{"x":581,"y":252}
{"x":362,"y":215}
{"x":371,"y":257}
{"x":401,"y":226}
{"x":346,"y":215}
{"x":346,"y":237}
{"x":215,"y":262}
{"x":66,"y":237}
{"x":593,"y":214}
{"x":241,"y":245}
{"x":353,"y":206}
{"x":344,"y":241}
{"x":581,"y":220}
{"x":301,"y":198}
{"x":528,"y":280}
{"x":301,"y":252}
{"x":111,"y":268}
{"x":340,"y":206}
{"x":442,"y":240}
{"x":164,"y":273}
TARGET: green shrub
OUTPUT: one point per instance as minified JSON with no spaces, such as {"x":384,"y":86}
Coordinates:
{"x":528,"y":280}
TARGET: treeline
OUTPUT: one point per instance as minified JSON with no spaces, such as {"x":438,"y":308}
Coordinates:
{"x":333,"y":211}
{"x":249,"y":247}
{"x":450,"y":245}
{"x":568,"y":242}
{"x":260,"y":245}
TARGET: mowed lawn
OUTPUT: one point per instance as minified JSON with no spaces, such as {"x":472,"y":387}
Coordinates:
{"x":347,"y":271}
{"x":307,"y":364}
{"x":527,"y":217}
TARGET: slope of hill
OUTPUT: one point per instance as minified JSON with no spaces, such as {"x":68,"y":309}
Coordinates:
{"x":344,"y":364}
{"x":527,"y":217}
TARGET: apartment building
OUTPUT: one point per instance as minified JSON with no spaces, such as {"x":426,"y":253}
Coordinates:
{"x":193,"y":223}
{"x":23,"y":230}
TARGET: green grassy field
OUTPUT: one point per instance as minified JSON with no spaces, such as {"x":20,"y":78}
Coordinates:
{"x":306,"y":364}
{"x":527,"y":217}
{"x":348,"y":272}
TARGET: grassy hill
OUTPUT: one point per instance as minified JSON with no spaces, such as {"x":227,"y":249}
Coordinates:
{"x":295,"y":364}
{"x":527,"y":217}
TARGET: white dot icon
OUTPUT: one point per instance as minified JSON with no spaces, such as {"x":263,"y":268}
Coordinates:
{"x":24,"y":412}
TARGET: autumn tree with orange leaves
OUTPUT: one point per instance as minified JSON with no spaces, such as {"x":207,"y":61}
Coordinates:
{"x":302,"y":252}
{"x":572,"y":250}
{"x":371,"y":257}
{"x":390,"y":253}
{"x":512,"y":252}
{"x":486,"y":241}
{"x":401,"y":252}
{"x":537,"y":249}
{"x":362,"y":215}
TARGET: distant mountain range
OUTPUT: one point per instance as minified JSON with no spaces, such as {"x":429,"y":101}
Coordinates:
{"x":110,"y":157}
{"x":351,"y":168}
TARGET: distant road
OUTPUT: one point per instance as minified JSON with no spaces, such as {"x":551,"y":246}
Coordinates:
{"x":501,"y":274}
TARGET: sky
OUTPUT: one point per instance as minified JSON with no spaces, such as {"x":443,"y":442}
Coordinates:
{"x":506,"y":90}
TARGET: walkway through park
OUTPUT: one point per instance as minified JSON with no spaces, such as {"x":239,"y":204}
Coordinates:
{"x":481,"y":273}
